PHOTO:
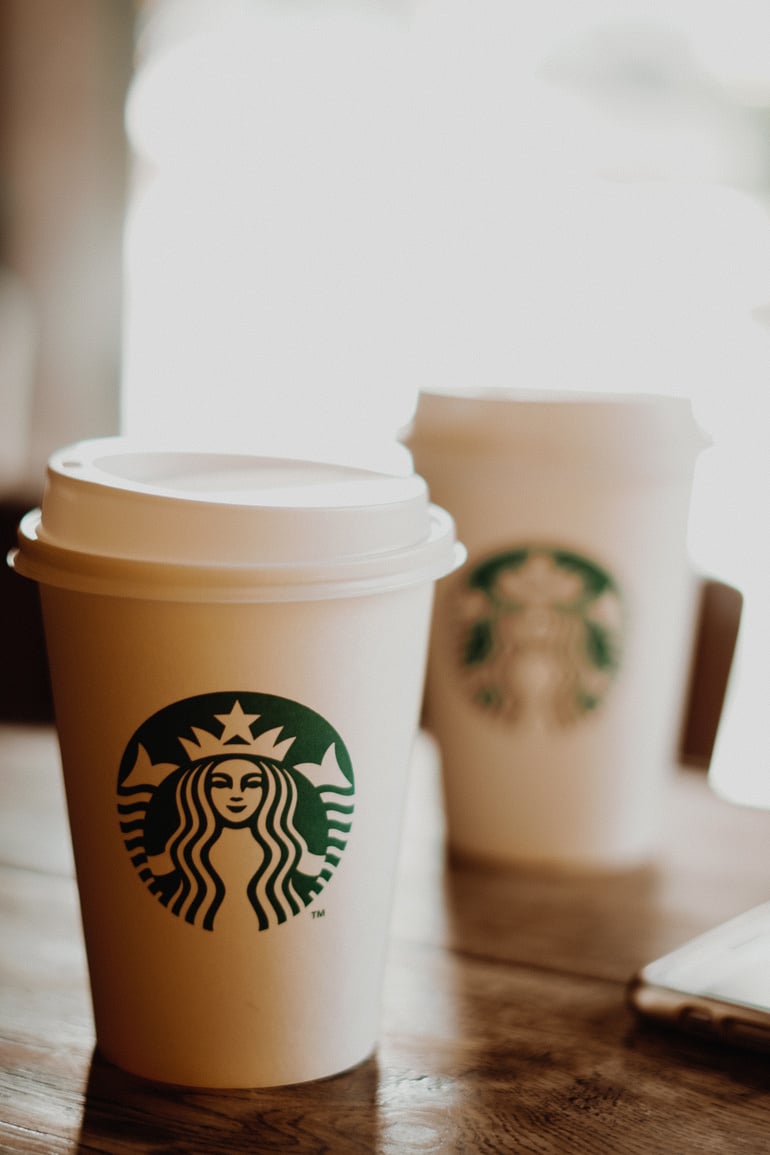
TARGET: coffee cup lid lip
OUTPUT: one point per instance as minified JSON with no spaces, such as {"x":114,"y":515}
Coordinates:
{"x":638,"y":431}
{"x":119,"y":516}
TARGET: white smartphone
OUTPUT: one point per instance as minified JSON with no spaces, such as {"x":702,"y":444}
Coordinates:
{"x":716,"y":986}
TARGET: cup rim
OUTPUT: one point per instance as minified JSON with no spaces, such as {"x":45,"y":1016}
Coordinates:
{"x":437,"y":555}
{"x":636,"y":434}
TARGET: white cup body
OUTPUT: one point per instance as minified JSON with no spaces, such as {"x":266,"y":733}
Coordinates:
{"x":236,"y":1005}
{"x":548,"y":758}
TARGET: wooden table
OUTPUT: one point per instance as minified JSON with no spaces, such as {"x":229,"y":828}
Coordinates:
{"x":504,"y":1025}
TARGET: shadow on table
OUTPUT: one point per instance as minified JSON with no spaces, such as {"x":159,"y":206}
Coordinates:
{"x":598,"y":925}
{"x":124,"y":1115}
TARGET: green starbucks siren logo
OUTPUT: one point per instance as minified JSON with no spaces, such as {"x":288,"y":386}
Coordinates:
{"x":233,"y":798}
{"x":540,"y":635}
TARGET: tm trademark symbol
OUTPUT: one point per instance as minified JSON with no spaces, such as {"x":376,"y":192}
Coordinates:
{"x":318,"y":913}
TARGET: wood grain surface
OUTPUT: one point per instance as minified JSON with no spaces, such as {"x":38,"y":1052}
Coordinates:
{"x":504,"y":1024}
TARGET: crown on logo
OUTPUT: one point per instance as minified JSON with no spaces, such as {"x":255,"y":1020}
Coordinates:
{"x":236,"y":738}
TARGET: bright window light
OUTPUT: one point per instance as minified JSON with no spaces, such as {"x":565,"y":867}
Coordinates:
{"x":337,"y":202}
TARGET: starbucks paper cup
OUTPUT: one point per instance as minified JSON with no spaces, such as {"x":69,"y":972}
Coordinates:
{"x":560,"y":651}
{"x":237,"y":650}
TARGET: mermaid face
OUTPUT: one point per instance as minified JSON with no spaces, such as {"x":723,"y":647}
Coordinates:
{"x":235,"y":787}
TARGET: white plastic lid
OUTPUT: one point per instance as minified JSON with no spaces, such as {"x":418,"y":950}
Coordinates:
{"x":639,"y":434}
{"x":119,"y":517}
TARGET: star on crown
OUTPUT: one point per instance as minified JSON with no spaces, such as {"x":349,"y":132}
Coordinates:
{"x":236,"y":738}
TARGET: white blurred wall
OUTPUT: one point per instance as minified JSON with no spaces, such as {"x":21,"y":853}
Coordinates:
{"x":64,"y":72}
